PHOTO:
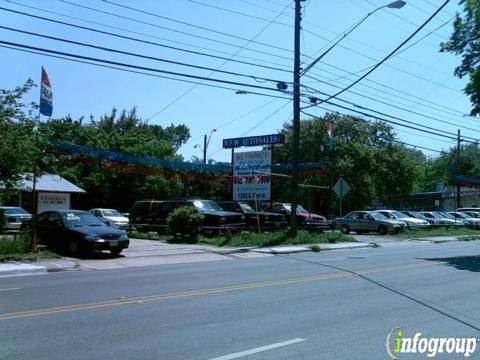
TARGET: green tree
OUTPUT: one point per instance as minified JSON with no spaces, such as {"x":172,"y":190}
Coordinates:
{"x":124,"y":132}
{"x":366,"y":155}
{"x":465,"y":41}
{"x":17,"y":145}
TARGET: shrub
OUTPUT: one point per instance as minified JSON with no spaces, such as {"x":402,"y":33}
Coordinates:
{"x":184,"y":222}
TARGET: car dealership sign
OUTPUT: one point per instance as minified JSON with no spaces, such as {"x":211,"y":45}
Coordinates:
{"x":251,"y":175}
{"x":253,"y":141}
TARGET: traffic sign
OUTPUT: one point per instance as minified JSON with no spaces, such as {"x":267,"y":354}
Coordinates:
{"x":341,"y":188}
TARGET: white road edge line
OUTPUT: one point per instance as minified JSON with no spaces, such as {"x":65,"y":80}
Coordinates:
{"x":9,"y":289}
{"x":257,"y":350}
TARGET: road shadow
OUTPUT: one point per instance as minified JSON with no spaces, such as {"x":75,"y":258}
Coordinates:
{"x":469,"y":263}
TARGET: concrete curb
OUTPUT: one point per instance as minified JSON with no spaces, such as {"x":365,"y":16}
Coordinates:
{"x":307,"y":248}
{"x":16,"y":269}
{"x":348,"y":246}
{"x":61,"y":265}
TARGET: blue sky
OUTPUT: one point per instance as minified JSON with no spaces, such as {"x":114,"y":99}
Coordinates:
{"x":417,"y":85}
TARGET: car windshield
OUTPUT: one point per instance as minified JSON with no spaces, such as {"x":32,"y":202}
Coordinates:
{"x":437,"y":216}
{"x":206,"y":205}
{"x":111,"y":212}
{"x":418,"y":215}
{"x":447,"y":216}
{"x":247,"y":208}
{"x":300,"y":208}
{"x":399,"y":215}
{"x":72,"y":219}
{"x":378,"y":216}
{"x":15,"y":211}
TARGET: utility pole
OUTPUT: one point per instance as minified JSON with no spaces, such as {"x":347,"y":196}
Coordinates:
{"x":296,"y":117}
{"x":205,"y":148}
{"x":457,"y":168}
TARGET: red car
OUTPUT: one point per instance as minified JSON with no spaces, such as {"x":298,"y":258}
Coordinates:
{"x":305,"y":220}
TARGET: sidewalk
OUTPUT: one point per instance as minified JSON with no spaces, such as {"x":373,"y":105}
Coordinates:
{"x":151,"y":252}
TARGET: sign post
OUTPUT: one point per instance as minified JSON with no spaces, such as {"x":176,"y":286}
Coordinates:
{"x":341,"y":188}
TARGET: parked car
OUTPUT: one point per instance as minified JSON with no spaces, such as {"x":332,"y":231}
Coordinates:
{"x":442,"y":220}
{"x":434,"y":222}
{"x":412,"y":222}
{"x":254,"y":218}
{"x":473,"y":208}
{"x":446,"y":215}
{"x":305,"y":219}
{"x":13,"y":217}
{"x":368,"y":221}
{"x":79,"y":232}
{"x":151,"y":215}
{"x":111,"y":217}
{"x":467,"y":220}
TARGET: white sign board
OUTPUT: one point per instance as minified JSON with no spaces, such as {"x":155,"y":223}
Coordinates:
{"x":53,"y":201}
{"x":251,"y":177}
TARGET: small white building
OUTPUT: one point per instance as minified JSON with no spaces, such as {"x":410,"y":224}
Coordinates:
{"x":53,"y":192}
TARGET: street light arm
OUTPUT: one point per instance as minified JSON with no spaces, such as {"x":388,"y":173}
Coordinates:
{"x":394,"y":5}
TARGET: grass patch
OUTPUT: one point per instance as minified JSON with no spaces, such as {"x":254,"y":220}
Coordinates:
{"x":276,"y":238}
{"x":30,"y":256}
{"x":18,"y":248}
{"x":420,"y":233}
{"x":253,"y":239}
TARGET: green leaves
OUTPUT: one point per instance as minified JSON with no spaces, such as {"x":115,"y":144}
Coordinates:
{"x":465,"y":41}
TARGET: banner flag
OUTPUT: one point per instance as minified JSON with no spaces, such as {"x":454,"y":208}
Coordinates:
{"x":46,"y":95}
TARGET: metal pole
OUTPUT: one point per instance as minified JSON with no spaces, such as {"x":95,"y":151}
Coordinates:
{"x":205,"y":148}
{"x":296,"y":117}
{"x":233,"y":170}
{"x":34,"y":192}
{"x":458,"y":168}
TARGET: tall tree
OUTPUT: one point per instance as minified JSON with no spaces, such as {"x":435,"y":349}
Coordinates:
{"x":366,"y":155}
{"x":17,"y":145}
{"x":465,"y":41}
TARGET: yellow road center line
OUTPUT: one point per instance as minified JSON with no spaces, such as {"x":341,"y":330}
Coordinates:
{"x":190,"y":293}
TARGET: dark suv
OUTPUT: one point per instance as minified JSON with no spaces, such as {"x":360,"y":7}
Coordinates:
{"x":252,"y":217}
{"x":151,"y":215}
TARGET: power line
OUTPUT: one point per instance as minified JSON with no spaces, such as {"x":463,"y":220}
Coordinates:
{"x":356,"y":119}
{"x":137,"y":72}
{"x":141,"y":40}
{"x":169,"y":29}
{"x":143,"y":34}
{"x":136,"y":39}
{"x":187,"y":24}
{"x":405,"y":49}
{"x":342,"y":46}
{"x":450,"y":137}
{"x":135,"y":54}
{"x":390,"y":54}
{"x":315,"y":91}
{"x":135,"y":66}
{"x":221,"y":65}
{"x":447,"y":109}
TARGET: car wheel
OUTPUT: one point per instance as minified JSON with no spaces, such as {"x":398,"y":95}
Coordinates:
{"x":345,"y":229}
{"x":74,"y":248}
{"x":116,"y":251}
{"x":382,"y":229}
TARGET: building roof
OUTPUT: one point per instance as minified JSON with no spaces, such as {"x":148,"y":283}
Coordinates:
{"x":49,"y":183}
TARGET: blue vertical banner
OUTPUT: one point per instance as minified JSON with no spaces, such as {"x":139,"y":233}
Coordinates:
{"x":46,"y":95}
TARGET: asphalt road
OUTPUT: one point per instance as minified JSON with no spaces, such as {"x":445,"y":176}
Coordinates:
{"x":327,"y":305}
